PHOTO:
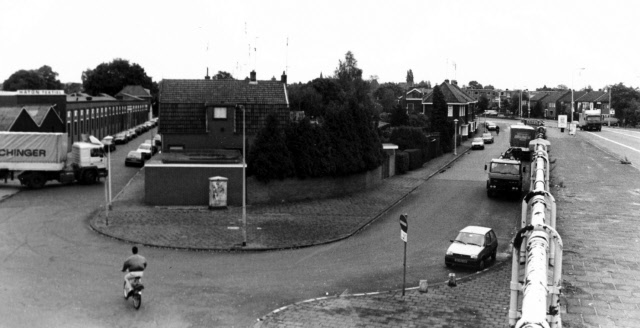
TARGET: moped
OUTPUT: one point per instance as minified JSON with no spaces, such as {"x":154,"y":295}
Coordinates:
{"x":135,"y":293}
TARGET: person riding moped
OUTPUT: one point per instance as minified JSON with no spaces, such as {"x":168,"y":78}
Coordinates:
{"x":134,"y":266}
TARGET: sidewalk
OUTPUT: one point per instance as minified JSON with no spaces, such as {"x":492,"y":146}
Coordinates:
{"x":269,"y":227}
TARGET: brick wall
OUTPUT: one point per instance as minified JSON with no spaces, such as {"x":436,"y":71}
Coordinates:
{"x":188,"y":185}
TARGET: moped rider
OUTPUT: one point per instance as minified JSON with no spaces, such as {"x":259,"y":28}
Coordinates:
{"x":134,"y":266}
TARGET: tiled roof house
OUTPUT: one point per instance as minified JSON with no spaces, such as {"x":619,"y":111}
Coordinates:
{"x":461,"y":106}
{"x":550,"y":104}
{"x":206,"y":114}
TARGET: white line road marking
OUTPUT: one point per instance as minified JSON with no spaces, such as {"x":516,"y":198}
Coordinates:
{"x":615,"y":142}
{"x":624,"y":134}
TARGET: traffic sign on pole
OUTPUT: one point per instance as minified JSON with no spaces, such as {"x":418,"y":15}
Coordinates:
{"x":404,"y":227}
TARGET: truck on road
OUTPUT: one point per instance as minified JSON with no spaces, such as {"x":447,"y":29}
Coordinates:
{"x":520,"y":137}
{"x":504,"y":176}
{"x":590,"y":119}
{"x":40,"y":157}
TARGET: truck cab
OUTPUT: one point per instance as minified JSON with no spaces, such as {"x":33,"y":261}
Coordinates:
{"x":88,"y":162}
{"x":504,"y":176}
{"x":590,"y":119}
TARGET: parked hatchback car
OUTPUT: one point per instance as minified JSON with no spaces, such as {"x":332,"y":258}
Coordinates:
{"x":145,"y":149}
{"x":473,"y":247}
{"x":477,"y":143}
{"x":490,"y":126}
{"x":134,"y":158}
{"x":487,"y":138}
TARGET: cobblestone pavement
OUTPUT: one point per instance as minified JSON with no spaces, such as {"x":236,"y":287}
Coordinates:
{"x":268,"y":226}
{"x":598,"y":202}
{"x":599,"y":220}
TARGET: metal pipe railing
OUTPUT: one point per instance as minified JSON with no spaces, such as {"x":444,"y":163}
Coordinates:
{"x":538,"y":247}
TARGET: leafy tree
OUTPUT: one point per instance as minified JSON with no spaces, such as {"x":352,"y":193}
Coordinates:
{"x":222,"y":75}
{"x":439,"y":122}
{"x":410,"y":77}
{"x":505,"y":105}
{"x":562,"y":87}
{"x":269,"y":157}
{"x":72,"y":87}
{"x":483,"y":104}
{"x":489,"y":87}
{"x":624,"y":100}
{"x":348,"y":70}
{"x":310,"y":149}
{"x":399,"y":116}
{"x":387,"y":95}
{"x":112,"y":77}
{"x":44,"y":78}
{"x":475,"y":85}
{"x":304,"y":97}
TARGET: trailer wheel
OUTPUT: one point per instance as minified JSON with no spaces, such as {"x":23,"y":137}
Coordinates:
{"x":89,"y":177}
{"x":36,"y":181}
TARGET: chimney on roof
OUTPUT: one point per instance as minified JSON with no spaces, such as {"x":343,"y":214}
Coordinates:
{"x":283,"y":77}
{"x":454,"y":82}
{"x":207,"y":77}
{"x":253,"y":76}
{"x":446,"y":81}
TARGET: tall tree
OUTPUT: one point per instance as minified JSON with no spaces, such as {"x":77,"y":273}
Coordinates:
{"x":624,"y":100}
{"x":439,"y":122}
{"x":112,"y":77}
{"x":399,"y":116}
{"x":269,"y":157}
{"x":43,"y":78}
{"x":483,"y":103}
{"x":410,"y":77}
{"x":348,"y":70}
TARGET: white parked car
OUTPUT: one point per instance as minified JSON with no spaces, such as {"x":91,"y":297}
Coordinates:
{"x":473,"y":246}
{"x":146,"y":150}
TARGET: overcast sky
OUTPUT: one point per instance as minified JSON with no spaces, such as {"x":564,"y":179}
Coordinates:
{"x":508,"y":44}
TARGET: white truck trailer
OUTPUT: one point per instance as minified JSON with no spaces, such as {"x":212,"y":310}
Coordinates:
{"x":40,"y":157}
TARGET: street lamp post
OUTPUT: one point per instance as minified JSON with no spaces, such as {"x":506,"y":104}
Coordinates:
{"x":455,"y":137}
{"x":572,"y":74}
{"x":244,"y":180}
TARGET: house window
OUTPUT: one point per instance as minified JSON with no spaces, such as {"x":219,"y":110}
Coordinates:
{"x":220,"y":113}
{"x":461,"y":111}
{"x":450,"y":111}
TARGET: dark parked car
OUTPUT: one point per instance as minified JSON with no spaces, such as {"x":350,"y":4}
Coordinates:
{"x":472,"y":247}
{"x":120,"y":138}
{"x":134,"y":158}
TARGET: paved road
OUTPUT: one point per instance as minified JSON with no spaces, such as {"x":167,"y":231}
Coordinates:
{"x":55,"y":266}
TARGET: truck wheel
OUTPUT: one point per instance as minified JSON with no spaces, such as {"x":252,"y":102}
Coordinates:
{"x":89,"y":177}
{"x":36,"y":181}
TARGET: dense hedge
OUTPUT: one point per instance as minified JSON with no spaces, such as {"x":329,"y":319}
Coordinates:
{"x":415,"y":158}
{"x":345,"y":143}
{"x":402,"y":162}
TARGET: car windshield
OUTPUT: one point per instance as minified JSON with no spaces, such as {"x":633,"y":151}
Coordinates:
{"x":145,"y":147}
{"x":470,"y":238}
{"x":133,"y":154}
{"x":504,"y":168}
{"x":477,"y":139}
{"x":486,"y":135}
